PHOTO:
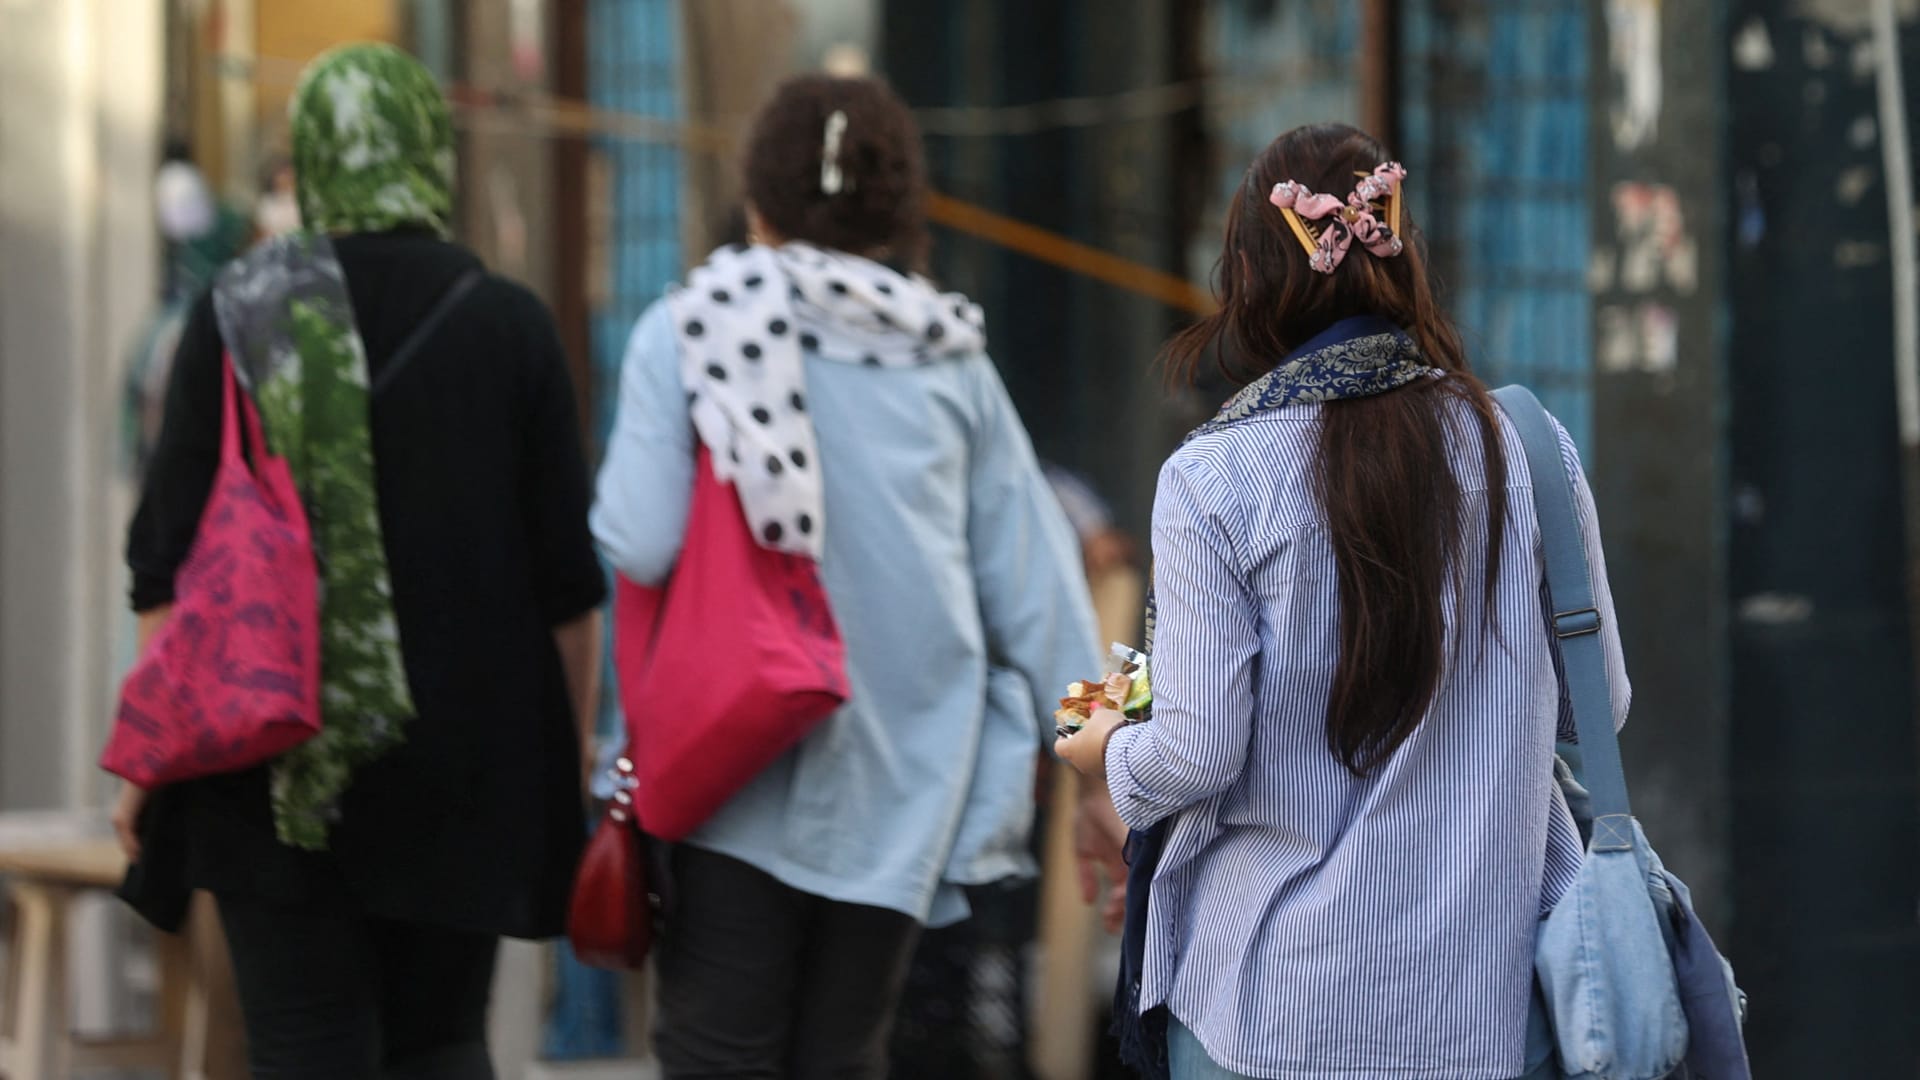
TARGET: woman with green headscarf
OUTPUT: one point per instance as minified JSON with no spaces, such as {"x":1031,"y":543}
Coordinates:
{"x":426,"y":410}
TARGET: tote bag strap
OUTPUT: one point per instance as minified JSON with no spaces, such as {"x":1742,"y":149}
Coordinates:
{"x":425,"y":328}
{"x":1576,"y":617}
{"x":231,"y":451}
{"x":243,"y":439}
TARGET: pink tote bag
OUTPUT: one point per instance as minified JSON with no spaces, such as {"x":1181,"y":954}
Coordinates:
{"x":725,"y":669}
{"x":233,"y":677}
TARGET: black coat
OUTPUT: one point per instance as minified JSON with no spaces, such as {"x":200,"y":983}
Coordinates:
{"x":476,"y":821}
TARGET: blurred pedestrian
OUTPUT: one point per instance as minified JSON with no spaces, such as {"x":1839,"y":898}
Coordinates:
{"x":199,"y":234}
{"x":902,"y":467}
{"x":1104,"y":547}
{"x":276,"y":212}
{"x":964,"y":1013}
{"x":363,"y":878}
{"x":1355,"y":694}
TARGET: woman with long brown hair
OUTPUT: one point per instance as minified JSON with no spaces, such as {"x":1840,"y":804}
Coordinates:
{"x":1348,"y":772}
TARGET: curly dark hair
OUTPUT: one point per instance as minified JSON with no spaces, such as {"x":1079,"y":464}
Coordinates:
{"x":878,"y":212}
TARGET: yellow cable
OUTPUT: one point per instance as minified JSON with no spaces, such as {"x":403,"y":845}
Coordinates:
{"x":573,"y":118}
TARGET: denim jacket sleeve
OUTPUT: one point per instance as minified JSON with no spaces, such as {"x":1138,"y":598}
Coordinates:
{"x":1034,"y":603}
{"x":646,"y":482}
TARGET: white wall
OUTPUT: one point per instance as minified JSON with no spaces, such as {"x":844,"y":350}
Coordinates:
{"x":80,"y":101}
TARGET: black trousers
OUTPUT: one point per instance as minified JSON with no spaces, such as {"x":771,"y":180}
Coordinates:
{"x":331,"y":995}
{"x":759,"y":981}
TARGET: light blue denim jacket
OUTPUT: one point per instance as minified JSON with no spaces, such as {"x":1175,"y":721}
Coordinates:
{"x":959,"y":591}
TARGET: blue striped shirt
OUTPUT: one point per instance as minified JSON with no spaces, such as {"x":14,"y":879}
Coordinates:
{"x":1304,"y":922}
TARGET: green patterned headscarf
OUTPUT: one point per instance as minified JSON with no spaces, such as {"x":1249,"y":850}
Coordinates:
{"x":372,"y":151}
{"x":372,"y":143}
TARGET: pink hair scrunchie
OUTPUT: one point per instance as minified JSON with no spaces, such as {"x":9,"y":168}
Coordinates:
{"x":1350,"y":221}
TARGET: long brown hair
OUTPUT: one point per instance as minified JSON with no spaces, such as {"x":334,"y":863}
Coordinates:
{"x":1394,"y":508}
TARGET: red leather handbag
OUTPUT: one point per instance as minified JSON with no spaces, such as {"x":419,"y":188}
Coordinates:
{"x":724,"y":670}
{"x":233,"y":677}
{"x":610,"y":920}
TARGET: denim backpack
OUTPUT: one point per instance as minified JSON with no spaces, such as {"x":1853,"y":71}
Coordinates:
{"x":1635,"y":989}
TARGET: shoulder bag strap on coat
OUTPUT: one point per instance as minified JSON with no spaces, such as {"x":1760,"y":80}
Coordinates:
{"x":425,"y":328}
{"x":1576,"y":617}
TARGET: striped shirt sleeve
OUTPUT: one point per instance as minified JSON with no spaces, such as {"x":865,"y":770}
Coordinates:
{"x":1196,"y":744}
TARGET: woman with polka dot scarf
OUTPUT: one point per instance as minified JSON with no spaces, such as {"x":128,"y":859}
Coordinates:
{"x":856,"y":412}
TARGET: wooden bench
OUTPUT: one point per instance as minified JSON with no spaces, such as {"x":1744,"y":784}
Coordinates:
{"x":36,"y":1038}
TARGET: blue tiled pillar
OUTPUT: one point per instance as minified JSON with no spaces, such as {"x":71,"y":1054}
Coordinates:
{"x":633,"y":68}
{"x":1493,"y":116}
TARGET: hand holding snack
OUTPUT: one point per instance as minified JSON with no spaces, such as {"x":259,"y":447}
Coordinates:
{"x":1086,"y":748}
{"x":1079,"y":704}
{"x":1127,"y":690}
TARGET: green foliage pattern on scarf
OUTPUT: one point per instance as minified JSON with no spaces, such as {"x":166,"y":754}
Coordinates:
{"x":372,"y":151}
{"x":372,"y":143}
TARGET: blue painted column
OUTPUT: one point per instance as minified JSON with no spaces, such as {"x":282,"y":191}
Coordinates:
{"x":1493,"y":118}
{"x":633,"y":58}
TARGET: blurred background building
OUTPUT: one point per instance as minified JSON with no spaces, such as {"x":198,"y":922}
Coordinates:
{"x":1672,"y":219}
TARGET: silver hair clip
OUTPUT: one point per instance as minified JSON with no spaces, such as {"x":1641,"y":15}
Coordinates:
{"x":832,"y":180}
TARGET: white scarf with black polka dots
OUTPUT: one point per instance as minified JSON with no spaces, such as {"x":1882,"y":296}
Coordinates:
{"x":745,"y":320}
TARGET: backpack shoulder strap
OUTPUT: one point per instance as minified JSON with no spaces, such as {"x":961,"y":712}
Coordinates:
{"x":1576,"y":617}
{"x":425,"y":328}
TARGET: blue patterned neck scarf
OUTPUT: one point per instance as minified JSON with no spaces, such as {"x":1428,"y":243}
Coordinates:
{"x":1357,"y":357}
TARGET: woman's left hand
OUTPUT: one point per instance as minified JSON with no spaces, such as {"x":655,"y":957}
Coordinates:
{"x":1086,"y":749}
{"x":126,"y":818}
